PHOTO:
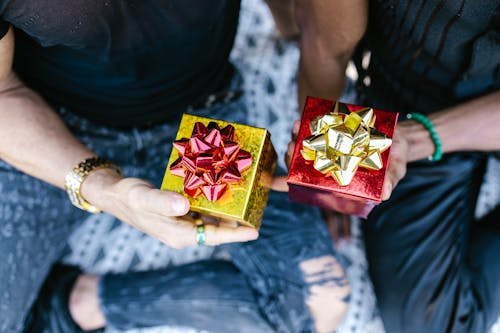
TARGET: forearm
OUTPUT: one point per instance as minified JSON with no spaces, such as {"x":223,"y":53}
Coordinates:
{"x":33,"y":137}
{"x":283,"y":12}
{"x":324,"y":80}
{"x":471,"y":126}
{"x":328,"y":37}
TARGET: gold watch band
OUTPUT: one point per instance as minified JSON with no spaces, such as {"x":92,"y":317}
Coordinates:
{"x":75,"y":179}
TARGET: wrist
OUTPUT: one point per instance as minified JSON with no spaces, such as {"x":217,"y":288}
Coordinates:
{"x":99,"y":187}
{"x":420,"y":144}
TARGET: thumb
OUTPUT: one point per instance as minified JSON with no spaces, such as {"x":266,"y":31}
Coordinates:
{"x":164,"y":203}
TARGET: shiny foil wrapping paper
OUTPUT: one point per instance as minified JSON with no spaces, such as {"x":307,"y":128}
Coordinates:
{"x":244,"y":199}
{"x":308,"y":185}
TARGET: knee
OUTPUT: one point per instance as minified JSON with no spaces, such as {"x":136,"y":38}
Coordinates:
{"x":84,"y":304}
{"x":328,"y":291}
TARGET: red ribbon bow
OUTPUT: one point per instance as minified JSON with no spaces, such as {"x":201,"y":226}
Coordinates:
{"x":210,"y":161}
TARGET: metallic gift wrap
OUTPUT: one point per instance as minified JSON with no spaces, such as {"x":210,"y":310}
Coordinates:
{"x":242,"y":191}
{"x":334,"y":165}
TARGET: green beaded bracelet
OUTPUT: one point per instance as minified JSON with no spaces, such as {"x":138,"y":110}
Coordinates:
{"x":438,"y":152}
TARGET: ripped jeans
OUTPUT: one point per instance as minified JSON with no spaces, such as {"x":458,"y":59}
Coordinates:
{"x":262,"y":288}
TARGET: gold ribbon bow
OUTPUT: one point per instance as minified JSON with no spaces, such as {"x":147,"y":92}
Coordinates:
{"x":342,"y":141}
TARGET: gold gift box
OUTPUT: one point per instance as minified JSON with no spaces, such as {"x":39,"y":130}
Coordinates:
{"x":245,"y":201}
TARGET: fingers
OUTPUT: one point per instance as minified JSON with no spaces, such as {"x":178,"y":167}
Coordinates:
{"x":228,"y":223}
{"x":289,"y":153}
{"x":397,"y":164}
{"x":395,"y":172}
{"x":151,"y":211}
{"x":179,"y":233}
{"x":295,"y":129}
{"x":216,"y":235}
{"x":164,"y":203}
{"x":291,"y":144}
{"x":391,"y":180}
{"x":207,"y":219}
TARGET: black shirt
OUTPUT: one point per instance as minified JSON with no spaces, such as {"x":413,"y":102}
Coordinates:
{"x":123,"y":62}
{"x":429,"y":55}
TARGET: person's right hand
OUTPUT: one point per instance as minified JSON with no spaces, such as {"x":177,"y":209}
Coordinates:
{"x":338,"y":224}
{"x":154,"y":212}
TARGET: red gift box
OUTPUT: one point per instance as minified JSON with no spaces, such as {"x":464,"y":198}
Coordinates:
{"x":310,"y":186}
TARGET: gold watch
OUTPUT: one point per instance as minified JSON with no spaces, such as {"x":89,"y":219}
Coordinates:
{"x":75,"y":179}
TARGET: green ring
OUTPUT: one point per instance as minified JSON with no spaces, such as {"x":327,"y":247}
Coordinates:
{"x":200,"y":235}
{"x":438,"y":147}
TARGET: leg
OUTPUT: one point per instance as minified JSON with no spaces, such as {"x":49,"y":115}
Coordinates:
{"x":208,"y":295}
{"x":294,"y":270}
{"x":211,"y":295}
{"x":282,"y":279}
{"x":279,"y":281}
{"x":417,"y":245}
{"x":34,"y":226}
{"x":292,"y":267}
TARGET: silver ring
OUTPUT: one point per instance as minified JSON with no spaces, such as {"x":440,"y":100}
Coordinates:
{"x":200,"y":234}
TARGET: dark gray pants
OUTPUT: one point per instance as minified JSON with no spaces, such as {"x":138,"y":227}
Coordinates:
{"x":263,"y":288}
{"x":433,"y":267}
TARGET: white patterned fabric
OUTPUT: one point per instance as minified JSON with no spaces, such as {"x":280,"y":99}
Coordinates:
{"x":268,"y":66}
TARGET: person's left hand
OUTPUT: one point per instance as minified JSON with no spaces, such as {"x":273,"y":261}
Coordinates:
{"x":410,"y":142}
{"x":398,"y":160}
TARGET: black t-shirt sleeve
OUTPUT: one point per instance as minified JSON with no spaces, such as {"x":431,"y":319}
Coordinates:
{"x":4,"y":27}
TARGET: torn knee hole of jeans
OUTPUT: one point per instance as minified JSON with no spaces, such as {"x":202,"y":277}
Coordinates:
{"x":325,"y":277}
{"x":322,"y":269}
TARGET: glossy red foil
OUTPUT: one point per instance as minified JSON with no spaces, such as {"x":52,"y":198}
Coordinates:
{"x":309,"y":186}
{"x":209,"y":161}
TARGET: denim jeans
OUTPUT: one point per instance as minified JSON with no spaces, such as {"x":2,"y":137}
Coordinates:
{"x":261,"y":289}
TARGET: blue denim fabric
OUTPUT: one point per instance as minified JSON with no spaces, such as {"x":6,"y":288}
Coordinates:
{"x":262,"y":289}
{"x":35,"y":223}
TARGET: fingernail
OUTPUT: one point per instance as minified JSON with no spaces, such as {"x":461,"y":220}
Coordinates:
{"x":252,"y":234}
{"x":180,"y":205}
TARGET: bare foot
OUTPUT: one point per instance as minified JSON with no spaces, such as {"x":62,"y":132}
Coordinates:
{"x":329,"y":289}
{"x":84,"y":303}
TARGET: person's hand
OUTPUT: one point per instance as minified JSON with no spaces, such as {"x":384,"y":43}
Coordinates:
{"x":398,"y":159}
{"x":154,"y":212}
{"x":339,"y":224}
